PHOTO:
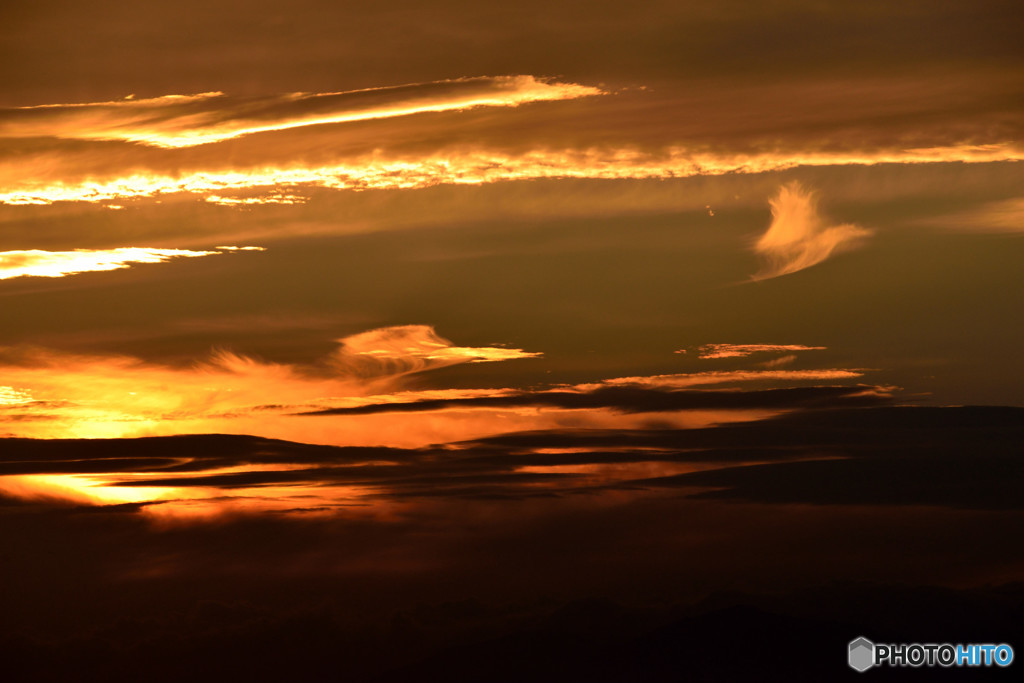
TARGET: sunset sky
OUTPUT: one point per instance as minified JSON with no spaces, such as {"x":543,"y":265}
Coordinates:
{"x":553,"y":301}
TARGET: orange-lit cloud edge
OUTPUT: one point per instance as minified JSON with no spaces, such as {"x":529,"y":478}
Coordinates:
{"x":231,"y":388}
{"x":51,"y":394}
{"x":175,"y":121}
{"x":58,"y":395}
{"x":476,"y":167}
{"x":708,"y":351}
{"x":798,"y":236}
{"x":199,"y":496}
{"x":39,"y":263}
{"x":48,"y":394}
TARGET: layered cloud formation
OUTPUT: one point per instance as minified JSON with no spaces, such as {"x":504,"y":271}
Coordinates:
{"x":189,"y":120}
{"x":250,"y":467}
{"x":525,"y":463}
{"x":836,"y":446}
{"x":244,"y":150}
{"x":49,"y":394}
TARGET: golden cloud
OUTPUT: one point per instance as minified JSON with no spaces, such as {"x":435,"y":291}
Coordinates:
{"x":53,"y":394}
{"x":189,"y":120}
{"x":38,"y":263}
{"x":743,"y":350}
{"x":480,"y":166}
{"x":798,"y":237}
{"x":401,"y":350}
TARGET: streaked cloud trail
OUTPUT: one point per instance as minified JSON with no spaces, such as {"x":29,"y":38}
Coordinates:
{"x":743,"y":350}
{"x":189,"y":120}
{"x":798,"y":237}
{"x":1003,"y":216}
{"x":178,"y":471}
{"x":361,"y":394}
{"x":480,"y":166}
{"x":38,"y":263}
{"x":718,"y":377}
{"x":405,"y":349}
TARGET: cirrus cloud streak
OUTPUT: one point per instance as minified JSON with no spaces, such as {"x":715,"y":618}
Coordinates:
{"x":743,"y":350}
{"x":481,"y":166}
{"x":189,"y":120}
{"x":39,"y":263}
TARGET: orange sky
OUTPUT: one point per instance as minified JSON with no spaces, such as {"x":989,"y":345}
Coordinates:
{"x":614,"y":302}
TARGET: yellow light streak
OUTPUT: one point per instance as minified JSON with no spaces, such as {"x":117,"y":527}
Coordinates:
{"x":475,"y":167}
{"x":39,"y":263}
{"x":174,"y":121}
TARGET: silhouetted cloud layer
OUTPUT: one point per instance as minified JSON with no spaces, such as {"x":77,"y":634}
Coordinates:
{"x":634,"y":399}
{"x":947,"y":457}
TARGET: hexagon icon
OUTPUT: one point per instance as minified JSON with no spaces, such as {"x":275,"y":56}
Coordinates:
{"x":861,"y":654}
